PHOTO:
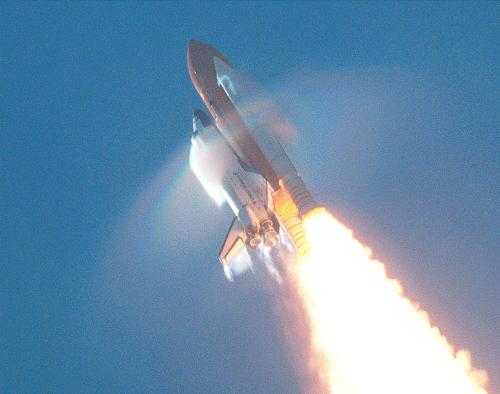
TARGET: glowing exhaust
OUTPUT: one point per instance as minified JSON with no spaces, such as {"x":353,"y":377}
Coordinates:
{"x":365,"y":336}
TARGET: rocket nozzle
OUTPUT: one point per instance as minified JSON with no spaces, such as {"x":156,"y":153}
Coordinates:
{"x":269,"y":233}
{"x":254,"y":241}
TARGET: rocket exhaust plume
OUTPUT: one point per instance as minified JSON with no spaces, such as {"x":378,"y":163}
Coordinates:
{"x":357,"y":331}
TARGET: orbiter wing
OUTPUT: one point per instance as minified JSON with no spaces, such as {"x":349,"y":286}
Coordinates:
{"x":235,"y":241}
{"x":234,"y":254}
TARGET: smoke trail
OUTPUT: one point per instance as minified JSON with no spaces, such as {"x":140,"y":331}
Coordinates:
{"x":353,"y":331}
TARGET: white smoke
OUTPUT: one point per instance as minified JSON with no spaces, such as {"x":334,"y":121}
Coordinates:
{"x":210,"y":147}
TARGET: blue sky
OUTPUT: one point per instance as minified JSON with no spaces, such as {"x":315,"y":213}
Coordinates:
{"x":109,"y":277}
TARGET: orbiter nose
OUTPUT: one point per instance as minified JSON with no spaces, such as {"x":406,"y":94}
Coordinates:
{"x":200,"y":120}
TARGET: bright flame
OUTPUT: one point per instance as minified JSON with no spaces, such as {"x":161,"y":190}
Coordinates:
{"x":365,"y":335}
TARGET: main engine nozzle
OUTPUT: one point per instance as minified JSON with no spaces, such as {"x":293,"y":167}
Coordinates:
{"x":270,"y":235}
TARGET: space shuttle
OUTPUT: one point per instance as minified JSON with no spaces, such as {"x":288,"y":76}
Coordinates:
{"x":238,"y":159}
